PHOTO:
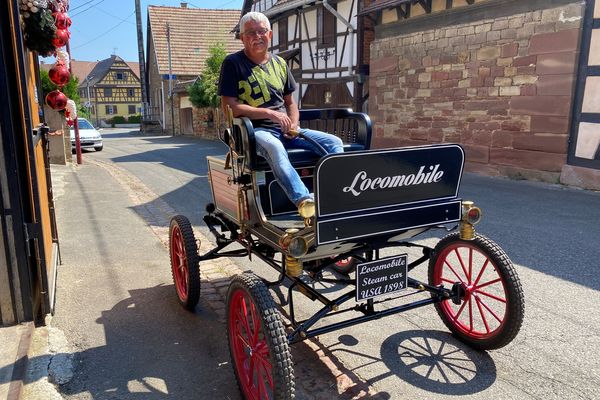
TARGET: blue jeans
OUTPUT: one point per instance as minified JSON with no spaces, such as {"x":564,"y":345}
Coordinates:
{"x":272,"y":145}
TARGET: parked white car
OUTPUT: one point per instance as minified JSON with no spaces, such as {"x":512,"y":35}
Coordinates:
{"x":89,"y":137}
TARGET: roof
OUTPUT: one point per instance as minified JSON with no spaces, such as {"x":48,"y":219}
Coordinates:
{"x":193,"y":31}
{"x":81,"y":69}
{"x":378,"y":5}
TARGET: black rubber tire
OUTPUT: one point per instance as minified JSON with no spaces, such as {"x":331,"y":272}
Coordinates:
{"x":185,"y":266}
{"x":346,"y":268}
{"x":506,"y":278}
{"x":99,"y":148}
{"x":271,"y":333}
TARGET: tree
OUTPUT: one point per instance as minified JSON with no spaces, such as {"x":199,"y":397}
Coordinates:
{"x":203,"y":92}
{"x":70,"y":90}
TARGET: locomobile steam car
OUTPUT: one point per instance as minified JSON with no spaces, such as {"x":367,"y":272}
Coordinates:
{"x":366,"y":202}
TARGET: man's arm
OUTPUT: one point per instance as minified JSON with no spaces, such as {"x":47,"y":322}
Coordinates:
{"x":245,"y":110}
{"x":292,"y":110}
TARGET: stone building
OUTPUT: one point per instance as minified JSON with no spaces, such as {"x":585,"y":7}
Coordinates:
{"x":515,"y":82}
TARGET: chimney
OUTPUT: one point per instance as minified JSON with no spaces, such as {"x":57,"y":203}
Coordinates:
{"x":183,"y":5}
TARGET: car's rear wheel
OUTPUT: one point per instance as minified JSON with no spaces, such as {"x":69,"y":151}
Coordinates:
{"x":184,"y":262}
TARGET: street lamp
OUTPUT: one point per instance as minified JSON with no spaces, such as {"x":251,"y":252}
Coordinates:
{"x":89,"y":100}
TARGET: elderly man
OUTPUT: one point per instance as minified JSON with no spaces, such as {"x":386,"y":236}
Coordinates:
{"x":259,"y":85}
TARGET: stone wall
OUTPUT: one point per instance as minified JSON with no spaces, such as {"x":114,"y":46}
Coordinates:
{"x":501,"y":86}
{"x":205,"y":123}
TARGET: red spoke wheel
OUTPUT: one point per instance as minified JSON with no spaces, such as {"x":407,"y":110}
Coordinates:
{"x":492,"y":308}
{"x":345,"y":266}
{"x":257,"y":341}
{"x":184,"y":261}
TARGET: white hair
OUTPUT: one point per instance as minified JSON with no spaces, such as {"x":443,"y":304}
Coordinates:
{"x":254,"y":16}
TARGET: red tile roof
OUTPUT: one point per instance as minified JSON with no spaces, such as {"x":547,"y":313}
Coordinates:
{"x":193,"y":32}
{"x":81,"y":69}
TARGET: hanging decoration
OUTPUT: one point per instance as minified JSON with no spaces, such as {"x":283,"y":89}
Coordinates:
{"x":59,"y":74}
{"x":62,"y":20}
{"x":38,"y":26}
{"x":45,"y":26}
{"x":70,"y":112}
{"x":56,"y":100}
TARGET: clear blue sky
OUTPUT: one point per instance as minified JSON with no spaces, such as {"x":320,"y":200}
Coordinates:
{"x":103,"y":27}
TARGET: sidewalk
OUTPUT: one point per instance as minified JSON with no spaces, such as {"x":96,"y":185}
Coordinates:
{"x":14,"y":345}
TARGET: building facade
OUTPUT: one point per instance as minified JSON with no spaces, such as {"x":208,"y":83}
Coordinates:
{"x":179,"y":39}
{"x":515,"y":83}
{"x":112,"y":88}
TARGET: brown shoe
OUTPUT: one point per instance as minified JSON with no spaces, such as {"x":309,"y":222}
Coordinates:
{"x":306,"y":208}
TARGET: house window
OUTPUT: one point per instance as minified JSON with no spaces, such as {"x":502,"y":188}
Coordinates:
{"x":131,"y":92}
{"x":120,"y":76}
{"x":110,"y":109}
{"x":131,"y":109}
{"x":107,"y":92}
{"x":326,"y":23}
{"x":283,"y":34}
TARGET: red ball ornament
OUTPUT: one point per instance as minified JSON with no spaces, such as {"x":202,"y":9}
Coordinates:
{"x":56,"y":100}
{"x":59,"y":74}
{"x":61,"y":20}
{"x":61,"y":37}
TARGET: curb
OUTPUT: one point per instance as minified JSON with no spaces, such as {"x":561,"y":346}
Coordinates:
{"x":215,"y":276}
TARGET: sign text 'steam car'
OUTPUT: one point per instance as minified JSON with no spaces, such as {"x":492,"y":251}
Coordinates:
{"x":89,"y":137}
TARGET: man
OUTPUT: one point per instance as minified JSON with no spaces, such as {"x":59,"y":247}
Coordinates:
{"x":258,"y":85}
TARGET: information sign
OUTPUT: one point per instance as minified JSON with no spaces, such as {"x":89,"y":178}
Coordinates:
{"x":385,"y":276}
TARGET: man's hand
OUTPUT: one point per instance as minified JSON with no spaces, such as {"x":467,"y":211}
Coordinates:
{"x":282,"y":119}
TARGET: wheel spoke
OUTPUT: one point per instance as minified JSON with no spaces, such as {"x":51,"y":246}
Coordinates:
{"x":452,"y":269}
{"x":488,"y":283}
{"x":255,"y":324}
{"x":462,"y":265}
{"x":460,"y":310}
{"x":485,"y":323}
{"x":490,"y":311}
{"x":470,"y":264}
{"x":485,"y":264}
{"x":503,"y":300}
{"x":471,"y":314}
{"x":244,"y":320}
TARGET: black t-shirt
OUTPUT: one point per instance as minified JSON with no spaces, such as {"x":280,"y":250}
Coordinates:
{"x":257,"y":85}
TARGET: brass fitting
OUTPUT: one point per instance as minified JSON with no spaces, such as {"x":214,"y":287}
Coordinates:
{"x":471,"y":215}
{"x":293,"y":266}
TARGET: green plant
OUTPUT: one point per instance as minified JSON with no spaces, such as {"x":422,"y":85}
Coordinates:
{"x":118,"y":119}
{"x":134,"y":119}
{"x":203,"y":92}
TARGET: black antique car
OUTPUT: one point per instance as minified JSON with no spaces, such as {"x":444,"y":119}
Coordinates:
{"x":366,"y":202}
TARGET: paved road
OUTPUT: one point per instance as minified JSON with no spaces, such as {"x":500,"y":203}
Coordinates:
{"x":550,"y":232}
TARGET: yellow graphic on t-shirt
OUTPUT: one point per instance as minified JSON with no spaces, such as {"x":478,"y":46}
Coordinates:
{"x":255,"y":90}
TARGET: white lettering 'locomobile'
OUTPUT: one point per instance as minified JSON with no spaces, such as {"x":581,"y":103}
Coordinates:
{"x":362,"y":182}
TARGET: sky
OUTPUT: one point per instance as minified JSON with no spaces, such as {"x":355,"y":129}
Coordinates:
{"x":104,"y":27}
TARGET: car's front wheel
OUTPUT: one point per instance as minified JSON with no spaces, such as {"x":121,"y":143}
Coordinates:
{"x":98,"y":148}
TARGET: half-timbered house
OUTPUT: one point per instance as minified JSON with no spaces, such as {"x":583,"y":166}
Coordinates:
{"x":112,"y":88}
{"x":326,"y":46}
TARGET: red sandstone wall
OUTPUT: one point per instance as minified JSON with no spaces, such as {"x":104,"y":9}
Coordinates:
{"x":501,"y":87}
